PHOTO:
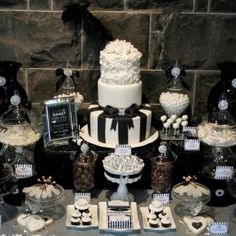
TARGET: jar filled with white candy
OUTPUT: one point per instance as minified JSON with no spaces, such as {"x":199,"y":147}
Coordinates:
{"x":176,"y":99}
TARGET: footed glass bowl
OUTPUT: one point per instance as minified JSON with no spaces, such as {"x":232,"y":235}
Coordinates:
{"x":190,"y":200}
{"x":36,"y":205}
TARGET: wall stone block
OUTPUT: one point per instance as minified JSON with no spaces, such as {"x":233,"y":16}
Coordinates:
{"x":201,"y":6}
{"x":37,"y":39}
{"x":166,"y":5}
{"x":94,"y":4}
{"x":40,"y":4}
{"x":223,"y":6}
{"x":204,"y":82}
{"x":13,"y":4}
{"x":200,"y":41}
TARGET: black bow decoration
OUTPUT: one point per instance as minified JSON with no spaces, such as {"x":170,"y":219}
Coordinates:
{"x":125,"y":119}
{"x":60,"y":73}
{"x":182,"y":73}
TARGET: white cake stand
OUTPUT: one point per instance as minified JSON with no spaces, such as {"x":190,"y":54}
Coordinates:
{"x":85,"y":136}
{"x":122,"y":190}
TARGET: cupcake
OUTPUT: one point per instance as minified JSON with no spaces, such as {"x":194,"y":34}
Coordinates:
{"x":87,"y":214}
{"x":161,"y":215}
{"x":86,"y":220}
{"x":81,"y":205}
{"x":154,"y":223}
{"x":75,"y":221}
{"x":166,"y":222}
{"x":151,"y":216}
{"x":75,"y":214}
{"x":156,"y":207}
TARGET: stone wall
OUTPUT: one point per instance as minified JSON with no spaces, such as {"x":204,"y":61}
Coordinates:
{"x":194,"y":34}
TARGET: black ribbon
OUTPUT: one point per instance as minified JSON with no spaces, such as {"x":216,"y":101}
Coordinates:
{"x":118,"y":176}
{"x":124,"y":122}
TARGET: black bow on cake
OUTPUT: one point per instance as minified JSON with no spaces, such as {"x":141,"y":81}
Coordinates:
{"x":123,"y":118}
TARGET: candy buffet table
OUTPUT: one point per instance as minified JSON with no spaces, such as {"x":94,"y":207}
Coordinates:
{"x":142,"y":198}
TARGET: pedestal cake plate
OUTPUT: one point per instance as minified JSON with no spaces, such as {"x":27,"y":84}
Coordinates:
{"x":122,"y":170}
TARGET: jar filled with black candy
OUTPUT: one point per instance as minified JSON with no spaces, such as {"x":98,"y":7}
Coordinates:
{"x":161,"y":171}
{"x":83,"y":169}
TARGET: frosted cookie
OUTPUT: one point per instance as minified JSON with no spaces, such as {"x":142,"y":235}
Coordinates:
{"x":34,"y":223}
{"x":197,"y":224}
{"x":45,"y":189}
{"x":191,"y":189}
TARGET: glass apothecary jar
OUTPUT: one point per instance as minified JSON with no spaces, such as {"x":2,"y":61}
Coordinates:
{"x":176,"y":99}
{"x":83,"y":169}
{"x":161,"y":171}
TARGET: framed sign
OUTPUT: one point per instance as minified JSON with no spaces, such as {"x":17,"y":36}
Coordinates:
{"x":59,"y":120}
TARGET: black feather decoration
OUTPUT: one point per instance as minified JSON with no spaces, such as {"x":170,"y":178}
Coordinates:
{"x":79,"y":18}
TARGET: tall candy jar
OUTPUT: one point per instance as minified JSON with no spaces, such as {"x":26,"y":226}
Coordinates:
{"x":161,"y":171}
{"x":176,"y":99}
{"x":219,"y":135}
{"x":83,"y":169}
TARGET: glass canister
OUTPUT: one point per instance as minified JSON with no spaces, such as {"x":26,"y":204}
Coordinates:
{"x":161,"y":171}
{"x":176,"y":99}
{"x":83,"y":169}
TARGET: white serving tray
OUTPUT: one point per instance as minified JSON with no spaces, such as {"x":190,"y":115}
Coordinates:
{"x":94,"y":223}
{"x":146,"y":226}
{"x":103,"y":218}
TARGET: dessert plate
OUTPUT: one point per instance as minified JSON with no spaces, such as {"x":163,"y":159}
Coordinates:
{"x":103,"y":224}
{"x":94,"y":222}
{"x":146,"y":226}
{"x":84,"y":135}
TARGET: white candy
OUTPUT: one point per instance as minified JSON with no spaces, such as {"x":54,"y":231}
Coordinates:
{"x":166,"y":125}
{"x":184,"y":117}
{"x":173,"y":117}
{"x":175,"y":125}
{"x":184,"y":123}
{"x":179,"y":120}
{"x":163,"y":118}
{"x":174,"y":103}
{"x":169,"y":121}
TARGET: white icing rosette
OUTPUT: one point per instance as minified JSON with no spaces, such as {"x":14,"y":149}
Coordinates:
{"x":174,"y":103}
{"x":120,"y":63}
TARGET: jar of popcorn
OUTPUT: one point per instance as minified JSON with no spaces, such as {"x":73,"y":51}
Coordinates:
{"x":161,"y":171}
{"x":83,"y":169}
